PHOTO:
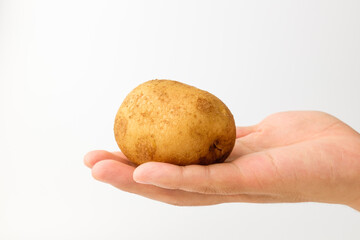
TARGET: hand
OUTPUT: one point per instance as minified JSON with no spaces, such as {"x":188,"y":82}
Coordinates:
{"x":288,"y":157}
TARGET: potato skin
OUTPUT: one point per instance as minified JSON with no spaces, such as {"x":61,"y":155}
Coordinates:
{"x":168,"y":121}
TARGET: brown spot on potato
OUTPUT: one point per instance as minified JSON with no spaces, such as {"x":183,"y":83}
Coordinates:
{"x":204,"y":105}
{"x":163,"y":97}
{"x":121,"y":124}
{"x":160,"y":91}
{"x":145,"y":114}
{"x":215,"y":154}
{"x":205,"y":160}
{"x":145,"y":149}
{"x":196,"y":133}
{"x":136,"y":99}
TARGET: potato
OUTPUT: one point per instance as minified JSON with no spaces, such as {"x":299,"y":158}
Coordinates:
{"x":168,"y":121}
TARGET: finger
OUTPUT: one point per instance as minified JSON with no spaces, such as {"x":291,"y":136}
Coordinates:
{"x":243,"y":131}
{"x":225,"y":178}
{"x":257,"y":173}
{"x":245,"y":142}
{"x":241,"y":148}
{"x":121,"y":176}
{"x":91,"y":158}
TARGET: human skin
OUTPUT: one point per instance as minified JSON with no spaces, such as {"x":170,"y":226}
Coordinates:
{"x":299,"y":156}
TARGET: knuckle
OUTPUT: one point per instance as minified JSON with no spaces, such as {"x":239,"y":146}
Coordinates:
{"x":207,"y":186}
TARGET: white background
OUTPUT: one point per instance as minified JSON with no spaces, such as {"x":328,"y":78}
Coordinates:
{"x":66,"y":66}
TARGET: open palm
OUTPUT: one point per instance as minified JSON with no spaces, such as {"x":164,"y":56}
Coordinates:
{"x":288,"y":157}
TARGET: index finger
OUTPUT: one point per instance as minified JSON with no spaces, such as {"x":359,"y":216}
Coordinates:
{"x":223,"y":178}
{"x":92,"y":157}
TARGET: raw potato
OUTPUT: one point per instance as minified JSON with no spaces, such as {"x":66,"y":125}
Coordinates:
{"x":168,"y":121}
